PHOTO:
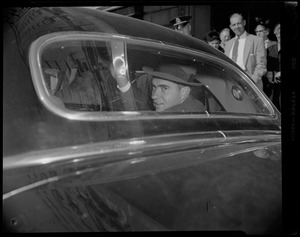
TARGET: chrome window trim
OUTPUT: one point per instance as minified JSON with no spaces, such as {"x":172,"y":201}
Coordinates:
{"x":80,"y":153}
{"x":39,"y":44}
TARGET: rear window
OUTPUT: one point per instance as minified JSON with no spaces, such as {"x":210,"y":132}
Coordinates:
{"x":78,"y":75}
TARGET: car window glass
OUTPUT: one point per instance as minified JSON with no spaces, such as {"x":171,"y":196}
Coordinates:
{"x":76,"y":73}
{"x":223,"y":89}
{"x":78,"y":76}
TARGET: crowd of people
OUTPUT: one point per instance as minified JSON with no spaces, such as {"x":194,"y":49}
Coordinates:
{"x":256,"y":54}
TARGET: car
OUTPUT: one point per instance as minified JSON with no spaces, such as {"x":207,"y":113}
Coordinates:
{"x":76,"y":158}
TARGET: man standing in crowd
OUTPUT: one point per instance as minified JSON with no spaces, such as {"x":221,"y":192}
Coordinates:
{"x":274,"y":68}
{"x":262,"y":30}
{"x":182,"y":24}
{"x":247,"y":50}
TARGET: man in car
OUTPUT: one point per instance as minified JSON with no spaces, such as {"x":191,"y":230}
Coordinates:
{"x":171,"y":90}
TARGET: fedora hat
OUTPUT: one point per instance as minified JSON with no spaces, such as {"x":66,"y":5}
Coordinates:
{"x":180,"y":20}
{"x":174,"y":73}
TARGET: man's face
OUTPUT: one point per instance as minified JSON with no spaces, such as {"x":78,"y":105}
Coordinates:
{"x":184,"y":28}
{"x":165,"y":94}
{"x":261,"y":32}
{"x":237,"y":25}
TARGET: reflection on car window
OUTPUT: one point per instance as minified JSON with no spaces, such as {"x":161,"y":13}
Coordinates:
{"x":82,"y":75}
{"x":77,"y":74}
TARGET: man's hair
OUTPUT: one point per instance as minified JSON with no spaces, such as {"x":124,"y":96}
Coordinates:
{"x":265,"y":28}
{"x":264,"y":23}
{"x":236,"y":14}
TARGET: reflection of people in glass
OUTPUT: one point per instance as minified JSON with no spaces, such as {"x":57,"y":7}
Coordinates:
{"x":171,"y":89}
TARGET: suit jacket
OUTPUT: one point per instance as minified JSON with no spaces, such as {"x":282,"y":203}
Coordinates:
{"x":134,"y":99}
{"x":274,"y":58}
{"x":255,"y":57}
{"x":189,"y":105}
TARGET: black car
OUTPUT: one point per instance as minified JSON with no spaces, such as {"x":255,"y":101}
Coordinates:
{"x":76,"y":158}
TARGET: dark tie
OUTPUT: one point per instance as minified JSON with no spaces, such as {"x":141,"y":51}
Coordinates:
{"x":235,"y":50}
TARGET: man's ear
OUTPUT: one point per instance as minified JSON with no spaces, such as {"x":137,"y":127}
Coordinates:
{"x":184,"y":93}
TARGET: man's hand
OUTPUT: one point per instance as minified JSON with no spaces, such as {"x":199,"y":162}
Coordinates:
{"x":269,"y":75}
{"x":277,"y":77}
{"x":118,"y":72}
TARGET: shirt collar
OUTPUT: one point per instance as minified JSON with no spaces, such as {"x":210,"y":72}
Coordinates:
{"x":243,"y":36}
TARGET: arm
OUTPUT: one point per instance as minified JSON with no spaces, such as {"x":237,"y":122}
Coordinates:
{"x":261,"y":61}
{"x":133,"y":99}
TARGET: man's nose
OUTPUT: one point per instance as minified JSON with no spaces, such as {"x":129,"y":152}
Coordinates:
{"x":155,"y":93}
{"x":236,"y":26}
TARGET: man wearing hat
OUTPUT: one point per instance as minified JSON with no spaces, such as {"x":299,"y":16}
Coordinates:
{"x":182,"y":24}
{"x":171,"y":89}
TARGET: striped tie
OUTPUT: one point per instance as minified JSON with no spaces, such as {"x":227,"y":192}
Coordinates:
{"x":235,"y":50}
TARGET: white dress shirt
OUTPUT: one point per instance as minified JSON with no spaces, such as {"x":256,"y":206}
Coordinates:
{"x":240,"y":60}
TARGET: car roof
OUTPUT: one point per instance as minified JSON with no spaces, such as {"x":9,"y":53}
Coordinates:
{"x":86,"y":19}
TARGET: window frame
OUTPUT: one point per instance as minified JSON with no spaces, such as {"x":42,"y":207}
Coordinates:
{"x":44,"y":96}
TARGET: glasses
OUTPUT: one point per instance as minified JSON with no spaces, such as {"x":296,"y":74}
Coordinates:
{"x":236,"y":24}
{"x":259,"y":31}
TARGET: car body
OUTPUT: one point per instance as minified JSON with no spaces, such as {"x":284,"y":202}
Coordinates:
{"x":76,"y":162}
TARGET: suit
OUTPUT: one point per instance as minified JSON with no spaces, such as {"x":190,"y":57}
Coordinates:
{"x":255,"y":57}
{"x":267,"y":86}
{"x":274,"y":58}
{"x":274,"y":65}
{"x":134,"y":99}
{"x":270,"y":43}
{"x":189,"y":105}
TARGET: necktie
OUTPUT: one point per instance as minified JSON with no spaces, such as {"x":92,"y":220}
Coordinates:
{"x":235,"y":50}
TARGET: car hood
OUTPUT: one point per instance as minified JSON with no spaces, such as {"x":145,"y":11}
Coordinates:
{"x":216,"y":184}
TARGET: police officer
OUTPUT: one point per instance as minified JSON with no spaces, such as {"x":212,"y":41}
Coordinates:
{"x":182,"y":24}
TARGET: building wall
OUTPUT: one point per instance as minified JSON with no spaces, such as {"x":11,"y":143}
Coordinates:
{"x":206,"y":17}
{"x":163,"y":14}
{"x":160,"y":15}
{"x":201,"y":20}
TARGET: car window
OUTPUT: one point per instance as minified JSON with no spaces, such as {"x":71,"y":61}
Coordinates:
{"x":223,"y":89}
{"x":76,"y":74}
